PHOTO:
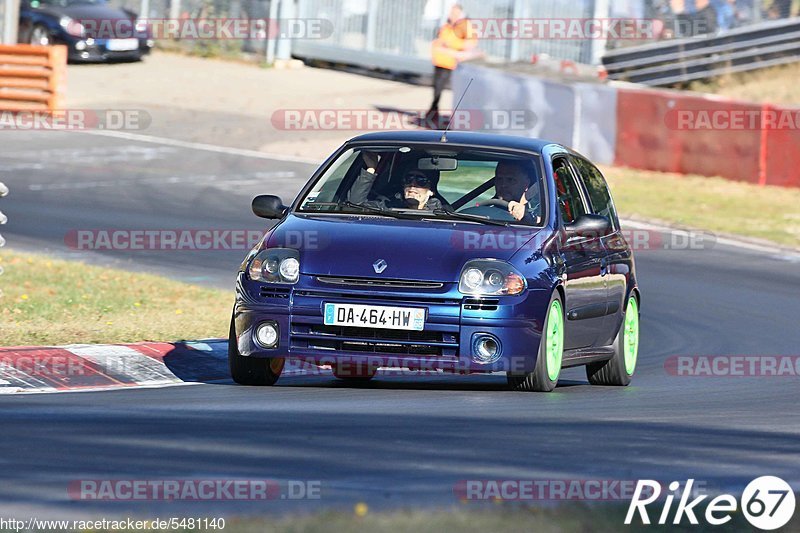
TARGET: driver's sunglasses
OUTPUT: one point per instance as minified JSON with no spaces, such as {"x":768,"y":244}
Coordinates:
{"x":417,"y":181}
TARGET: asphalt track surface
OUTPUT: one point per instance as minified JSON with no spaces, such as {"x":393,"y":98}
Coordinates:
{"x":399,"y":441}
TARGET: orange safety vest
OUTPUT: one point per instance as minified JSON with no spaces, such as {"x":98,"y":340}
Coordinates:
{"x":452,"y":38}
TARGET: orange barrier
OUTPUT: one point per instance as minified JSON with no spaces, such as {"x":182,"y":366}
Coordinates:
{"x":671,"y":131}
{"x":781,"y":157}
{"x":32,"y":77}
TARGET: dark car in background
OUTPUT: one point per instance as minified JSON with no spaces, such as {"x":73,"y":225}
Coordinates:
{"x":92,"y":30}
{"x":355,"y":277}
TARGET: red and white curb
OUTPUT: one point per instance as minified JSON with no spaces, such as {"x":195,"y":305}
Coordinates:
{"x":85,"y":367}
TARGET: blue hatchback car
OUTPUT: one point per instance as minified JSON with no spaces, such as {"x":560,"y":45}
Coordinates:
{"x":464,"y":253}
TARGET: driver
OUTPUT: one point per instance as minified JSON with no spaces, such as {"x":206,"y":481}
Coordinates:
{"x":511,"y":183}
{"x":417,"y":193}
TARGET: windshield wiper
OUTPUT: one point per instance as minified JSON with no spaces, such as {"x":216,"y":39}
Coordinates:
{"x":377,"y":211}
{"x":444,"y":213}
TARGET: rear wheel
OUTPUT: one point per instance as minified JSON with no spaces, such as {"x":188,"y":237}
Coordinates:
{"x":619,"y":370}
{"x":251,"y":370}
{"x":551,"y":353}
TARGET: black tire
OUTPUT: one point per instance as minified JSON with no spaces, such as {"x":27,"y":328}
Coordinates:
{"x":539,"y":380}
{"x":37,"y":33}
{"x":250,"y":370}
{"x":612,"y":373}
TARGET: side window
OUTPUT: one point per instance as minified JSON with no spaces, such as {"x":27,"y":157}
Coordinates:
{"x":327,"y":187}
{"x":596,"y":186}
{"x":570,"y":202}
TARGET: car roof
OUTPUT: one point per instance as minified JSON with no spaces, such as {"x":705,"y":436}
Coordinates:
{"x":489,"y":140}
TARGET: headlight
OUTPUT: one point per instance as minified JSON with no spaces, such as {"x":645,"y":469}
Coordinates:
{"x":73,"y":27}
{"x":490,"y":277}
{"x":275,"y":265}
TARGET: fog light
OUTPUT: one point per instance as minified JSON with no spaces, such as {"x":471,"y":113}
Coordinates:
{"x":80,"y":45}
{"x":486,"y":349}
{"x":267,"y":334}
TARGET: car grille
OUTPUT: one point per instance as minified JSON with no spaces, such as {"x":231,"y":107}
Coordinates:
{"x":373,"y":341}
{"x":380,"y":283}
{"x":274,"y":292}
{"x":481,"y":304}
{"x":398,"y":298}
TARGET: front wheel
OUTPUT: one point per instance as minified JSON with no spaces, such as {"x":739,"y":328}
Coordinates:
{"x":619,"y":370}
{"x":551,"y":353}
{"x":39,"y":36}
{"x":251,"y":370}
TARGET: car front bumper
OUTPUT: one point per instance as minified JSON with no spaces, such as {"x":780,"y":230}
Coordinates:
{"x":96,"y":50}
{"x":447,"y":343}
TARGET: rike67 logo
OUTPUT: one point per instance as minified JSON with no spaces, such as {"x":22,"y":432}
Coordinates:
{"x":768,"y":503}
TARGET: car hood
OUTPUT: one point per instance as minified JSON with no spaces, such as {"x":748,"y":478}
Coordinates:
{"x":420,"y":250}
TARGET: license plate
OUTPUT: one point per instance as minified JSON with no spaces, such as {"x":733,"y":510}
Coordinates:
{"x":375,"y":316}
{"x":122,"y":45}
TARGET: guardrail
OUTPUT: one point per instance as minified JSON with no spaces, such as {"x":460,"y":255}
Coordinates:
{"x":32,"y":77}
{"x":694,"y":58}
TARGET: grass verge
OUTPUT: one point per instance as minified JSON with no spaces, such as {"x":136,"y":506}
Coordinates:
{"x":777,"y":85}
{"x":713,"y":204}
{"x":47,"y":301}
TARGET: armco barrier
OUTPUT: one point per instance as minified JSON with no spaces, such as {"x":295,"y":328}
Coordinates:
{"x":32,"y":77}
{"x":652,"y":134}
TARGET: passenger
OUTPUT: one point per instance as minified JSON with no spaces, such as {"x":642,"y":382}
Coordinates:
{"x":417,"y":193}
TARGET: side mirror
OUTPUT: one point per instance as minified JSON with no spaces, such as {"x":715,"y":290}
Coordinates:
{"x":589,"y":226}
{"x":270,"y":207}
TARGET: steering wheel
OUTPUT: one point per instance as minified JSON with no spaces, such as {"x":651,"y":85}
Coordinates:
{"x":495,"y":202}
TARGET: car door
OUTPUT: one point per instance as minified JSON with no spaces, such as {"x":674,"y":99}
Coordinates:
{"x":618,"y":254}
{"x":584,"y":258}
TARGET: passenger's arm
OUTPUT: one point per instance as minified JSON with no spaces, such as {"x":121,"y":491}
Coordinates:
{"x":359,"y":192}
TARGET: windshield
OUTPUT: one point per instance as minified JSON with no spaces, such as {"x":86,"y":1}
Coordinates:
{"x":407,"y":182}
{"x":65,"y":3}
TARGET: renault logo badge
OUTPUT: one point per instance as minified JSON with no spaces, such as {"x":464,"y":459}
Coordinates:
{"x":380,"y":265}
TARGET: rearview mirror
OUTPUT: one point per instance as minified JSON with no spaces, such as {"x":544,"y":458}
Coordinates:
{"x":268,"y":206}
{"x":589,"y":226}
{"x":438,"y":163}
